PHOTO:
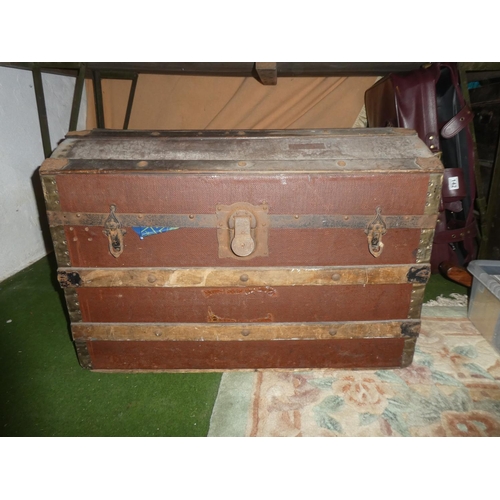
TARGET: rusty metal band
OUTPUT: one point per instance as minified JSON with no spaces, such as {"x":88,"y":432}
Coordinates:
{"x":83,"y":354}
{"x":234,"y":277}
{"x":73,"y":305}
{"x":57,"y":218}
{"x":50,"y":192}
{"x":51,"y":195}
{"x":416,"y":300}
{"x":408,"y":352}
{"x":433,"y":194}
{"x":60,"y":246}
{"x":244,"y":331}
{"x":425,"y":246}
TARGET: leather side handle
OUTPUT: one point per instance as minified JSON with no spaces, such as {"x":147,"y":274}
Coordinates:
{"x":457,"y":123}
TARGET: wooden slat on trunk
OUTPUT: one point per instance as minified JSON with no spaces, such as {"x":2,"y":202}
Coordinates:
{"x":274,"y":332}
{"x":243,"y":276}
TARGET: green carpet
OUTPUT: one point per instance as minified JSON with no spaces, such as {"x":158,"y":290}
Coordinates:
{"x":45,"y":392}
{"x":438,"y":285}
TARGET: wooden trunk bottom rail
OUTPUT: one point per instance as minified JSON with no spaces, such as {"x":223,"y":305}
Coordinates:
{"x":243,"y":332}
{"x":233,"y":355}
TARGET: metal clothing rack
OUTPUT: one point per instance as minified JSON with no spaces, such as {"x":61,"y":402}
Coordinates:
{"x":266,"y":73}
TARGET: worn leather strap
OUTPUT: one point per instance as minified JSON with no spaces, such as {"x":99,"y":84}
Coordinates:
{"x":453,"y":206}
{"x":457,"y":123}
{"x":454,"y":235}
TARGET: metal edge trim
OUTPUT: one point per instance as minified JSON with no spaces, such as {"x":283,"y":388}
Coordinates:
{"x":295,"y":221}
{"x":416,"y":301}
{"x":408,"y":352}
{"x":425,"y":246}
{"x":73,"y":305}
{"x":433,"y":194}
{"x":58,"y":233}
{"x":82,"y":351}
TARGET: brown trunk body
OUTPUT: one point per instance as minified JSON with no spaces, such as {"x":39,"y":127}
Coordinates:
{"x":294,"y":354}
{"x":285,"y":193}
{"x":188,"y":247}
{"x":297,"y":249}
{"x":245,"y":305}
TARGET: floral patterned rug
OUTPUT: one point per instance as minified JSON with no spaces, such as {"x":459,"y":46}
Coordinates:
{"x":452,"y":388}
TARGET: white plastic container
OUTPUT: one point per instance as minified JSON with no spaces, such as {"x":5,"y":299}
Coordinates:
{"x":484,"y":305}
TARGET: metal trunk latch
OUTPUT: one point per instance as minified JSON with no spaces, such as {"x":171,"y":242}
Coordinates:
{"x":242,"y":222}
{"x":113,"y":230}
{"x":375,"y":230}
{"x":242,"y":230}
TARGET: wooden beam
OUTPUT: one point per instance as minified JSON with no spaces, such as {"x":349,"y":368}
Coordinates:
{"x":245,"y":332}
{"x":74,"y":277}
{"x":268,"y":72}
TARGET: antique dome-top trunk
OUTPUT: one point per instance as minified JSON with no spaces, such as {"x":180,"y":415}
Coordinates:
{"x":243,"y":249}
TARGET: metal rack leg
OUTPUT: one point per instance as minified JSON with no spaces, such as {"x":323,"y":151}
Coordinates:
{"x":77,"y":98}
{"x":42,"y":111}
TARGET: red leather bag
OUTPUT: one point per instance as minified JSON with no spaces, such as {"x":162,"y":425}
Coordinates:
{"x":430,"y":101}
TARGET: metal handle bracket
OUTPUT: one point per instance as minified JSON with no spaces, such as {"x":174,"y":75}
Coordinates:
{"x":114,"y":232}
{"x":375,"y":230}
